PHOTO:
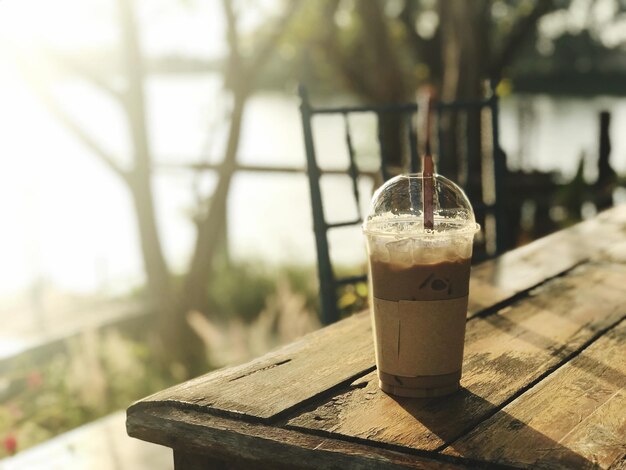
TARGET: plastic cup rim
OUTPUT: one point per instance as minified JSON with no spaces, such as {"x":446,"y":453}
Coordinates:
{"x":468,"y":229}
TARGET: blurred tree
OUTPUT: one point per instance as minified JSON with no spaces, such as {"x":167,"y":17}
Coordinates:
{"x":241,"y":73}
{"x":178,"y":344}
{"x":384,"y":50}
{"x":537,"y":44}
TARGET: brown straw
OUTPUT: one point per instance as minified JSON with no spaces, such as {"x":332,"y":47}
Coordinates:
{"x":427,"y":173}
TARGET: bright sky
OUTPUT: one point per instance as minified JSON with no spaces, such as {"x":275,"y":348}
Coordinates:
{"x":57,"y":202}
{"x":71,"y":24}
{"x":39,"y":200}
{"x":192,"y":27}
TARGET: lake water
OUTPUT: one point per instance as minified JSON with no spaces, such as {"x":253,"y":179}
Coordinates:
{"x":66,"y":217}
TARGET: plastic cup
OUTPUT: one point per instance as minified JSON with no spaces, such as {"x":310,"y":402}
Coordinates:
{"x":419,"y":285}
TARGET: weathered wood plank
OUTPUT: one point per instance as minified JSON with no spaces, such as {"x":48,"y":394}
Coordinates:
{"x":495,"y":281}
{"x":581,"y":408}
{"x":505,"y":352}
{"x":194,"y":434}
{"x":282,"y":379}
{"x":619,"y":465}
{"x":274,"y":384}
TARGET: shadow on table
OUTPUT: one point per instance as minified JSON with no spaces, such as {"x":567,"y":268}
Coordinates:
{"x":509,"y":440}
{"x":583,"y":362}
{"x":514,"y":442}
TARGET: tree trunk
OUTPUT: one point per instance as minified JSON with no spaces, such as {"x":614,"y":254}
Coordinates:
{"x":464,"y":47}
{"x":210,"y":227}
{"x":463,"y":59}
{"x":240,"y":78}
{"x":178,"y":343}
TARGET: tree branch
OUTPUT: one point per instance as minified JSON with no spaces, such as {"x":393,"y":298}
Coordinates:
{"x":32,"y":74}
{"x":79,"y":68}
{"x":211,"y":224}
{"x":520,"y":32}
{"x":407,"y":18}
{"x":328,"y":40}
{"x":232,"y":38}
{"x":388,"y":82}
{"x":269,"y":44}
{"x":427,"y":51}
{"x":237,"y":69}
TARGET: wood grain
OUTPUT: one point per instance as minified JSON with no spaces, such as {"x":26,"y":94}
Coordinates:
{"x":496,"y":280}
{"x":200,"y":439}
{"x":619,"y":465}
{"x":280,"y":380}
{"x":505,"y":352}
{"x":581,"y":408}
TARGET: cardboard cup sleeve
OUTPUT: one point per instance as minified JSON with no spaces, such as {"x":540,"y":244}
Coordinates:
{"x":419,"y":338}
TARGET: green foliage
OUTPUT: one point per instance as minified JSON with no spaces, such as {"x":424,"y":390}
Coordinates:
{"x":239,"y":290}
{"x":332,"y":47}
{"x":242,"y":289}
{"x":303,"y":281}
{"x":352,"y":298}
{"x":97,"y":373}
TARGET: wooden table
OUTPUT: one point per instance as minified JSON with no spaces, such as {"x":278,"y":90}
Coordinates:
{"x":543,"y":380}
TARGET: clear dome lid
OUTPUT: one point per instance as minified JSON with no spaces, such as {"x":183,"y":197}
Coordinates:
{"x":397,"y":208}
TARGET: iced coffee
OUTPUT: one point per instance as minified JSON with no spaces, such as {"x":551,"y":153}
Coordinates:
{"x":419,"y":281}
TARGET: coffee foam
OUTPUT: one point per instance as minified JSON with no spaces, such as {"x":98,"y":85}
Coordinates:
{"x":411,"y":251}
{"x":404,"y":241}
{"x":447,"y":222}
